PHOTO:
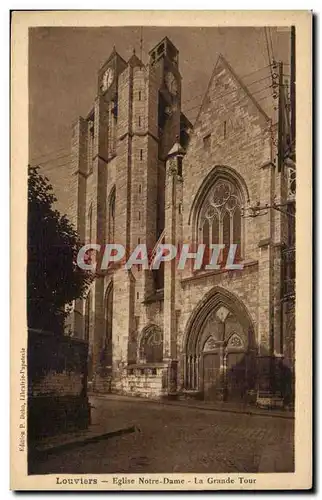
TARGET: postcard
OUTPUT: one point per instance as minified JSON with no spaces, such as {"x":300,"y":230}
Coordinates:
{"x":161,"y":250}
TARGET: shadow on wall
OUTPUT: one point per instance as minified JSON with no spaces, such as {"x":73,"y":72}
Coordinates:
{"x":245,"y":375}
{"x":57,"y":384}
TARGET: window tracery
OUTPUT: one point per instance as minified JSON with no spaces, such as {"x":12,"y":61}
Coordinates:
{"x":220,"y":216}
{"x":151,"y":345}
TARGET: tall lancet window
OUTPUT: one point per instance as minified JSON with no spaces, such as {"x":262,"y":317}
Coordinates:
{"x":90,"y":224}
{"x":111,"y":218}
{"x":220,"y":218}
{"x":90,"y":145}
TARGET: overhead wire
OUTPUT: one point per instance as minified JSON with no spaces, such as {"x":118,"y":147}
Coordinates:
{"x":35,"y":159}
{"x":48,"y":169}
{"x":248,"y":85}
{"x":241,"y":76}
{"x":271,"y":44}
{"x":41,"y":163}
{"x":268,"y":49}
{"x":69,"y":163}
{"x":223,"y":95}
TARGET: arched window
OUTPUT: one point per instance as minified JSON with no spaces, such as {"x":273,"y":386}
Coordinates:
{"x":151,"y":345}
{"x":90,"y":224}
{"x":215,"y":230}
{"x":226,"y":227}
{"x":220,"y":217}
{"x":107,"y":346}
{"x":111,"y":218}
{"x":90,"y":145}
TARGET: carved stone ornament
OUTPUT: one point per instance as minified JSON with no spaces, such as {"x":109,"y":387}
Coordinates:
{"x":291,"y":183}
{"x":153,"y":336}
{"x":172,"y":166}
{"x":235,"y":341}
{"x":210,"y":344}
{"x":222,"y":313}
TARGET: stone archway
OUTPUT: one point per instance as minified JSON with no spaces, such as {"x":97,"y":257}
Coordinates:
{"x":150,"y":345}
{"x":219,"y":348}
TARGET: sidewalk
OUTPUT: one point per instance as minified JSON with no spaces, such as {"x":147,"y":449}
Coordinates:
{"x":202,"y":405}
{"x":95,"y":433}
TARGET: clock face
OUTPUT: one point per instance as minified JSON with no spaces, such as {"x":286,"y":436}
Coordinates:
{"x":171,"y":83}
{"x":107,"y":79}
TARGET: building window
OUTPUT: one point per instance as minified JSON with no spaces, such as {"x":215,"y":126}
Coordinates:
{"x":139,"y":215}
{"x":180,"y":166}
{"x":106,"y":353}
{"x":220,"y":219}
{"x":160,"y":49}
{"x":140,"y":188}
{"x":206,"y":141}
{"x":225,"y":130}
{"x":139,"y":119}
{"x":151,"y":345}
{"x":141,"y":154}
{"x":90,"y":146}
{"x":90,"y":224}
{"x":139,"y":95}
{"x":111,"y":231}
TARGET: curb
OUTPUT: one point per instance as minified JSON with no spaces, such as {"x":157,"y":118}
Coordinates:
{"x":197,"y":407}
{"x":46,"y":449}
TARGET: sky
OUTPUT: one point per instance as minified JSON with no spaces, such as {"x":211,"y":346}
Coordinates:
{"x":63,"y":65}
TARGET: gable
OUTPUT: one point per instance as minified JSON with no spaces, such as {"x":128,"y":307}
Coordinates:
{"x":228,"y":105}
{"x":231,"y":131}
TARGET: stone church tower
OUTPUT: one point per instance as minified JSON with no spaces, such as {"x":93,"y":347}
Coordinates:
{"x":145,"y":175}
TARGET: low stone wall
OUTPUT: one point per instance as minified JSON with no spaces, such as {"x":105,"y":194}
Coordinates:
{"x":147,"y":381}
{"x":57,"y":384}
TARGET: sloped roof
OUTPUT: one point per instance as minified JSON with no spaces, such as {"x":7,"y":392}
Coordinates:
{"x":112,"y":54}
{"x":222,"y":61}
{"x":135,"y":61}
{"x":176,"y":149}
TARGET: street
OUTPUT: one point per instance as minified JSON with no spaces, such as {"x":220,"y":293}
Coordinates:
{"x":177,"y":439}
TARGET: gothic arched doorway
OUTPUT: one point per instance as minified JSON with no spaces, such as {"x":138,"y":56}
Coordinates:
{"x":219,"y":358}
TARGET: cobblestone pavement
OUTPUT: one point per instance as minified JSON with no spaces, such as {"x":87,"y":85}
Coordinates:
{"x":178,"y":439}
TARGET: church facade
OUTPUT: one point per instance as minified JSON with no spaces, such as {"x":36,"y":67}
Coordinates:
{"x":144,"y":174}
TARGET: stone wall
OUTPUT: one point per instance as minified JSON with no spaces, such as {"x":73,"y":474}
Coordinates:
{"x":143,"y":381}
{"x":57,"y":384}
{"x":233,"y":136}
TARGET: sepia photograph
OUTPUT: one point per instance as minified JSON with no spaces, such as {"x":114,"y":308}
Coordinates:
{"x":161,"y":256}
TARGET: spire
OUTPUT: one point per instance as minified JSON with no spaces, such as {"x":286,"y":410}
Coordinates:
{"x":141,"y":42}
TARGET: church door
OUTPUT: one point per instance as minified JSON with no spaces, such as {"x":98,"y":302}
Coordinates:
{"x":211,"y":370}
{"x":236,"y":375}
